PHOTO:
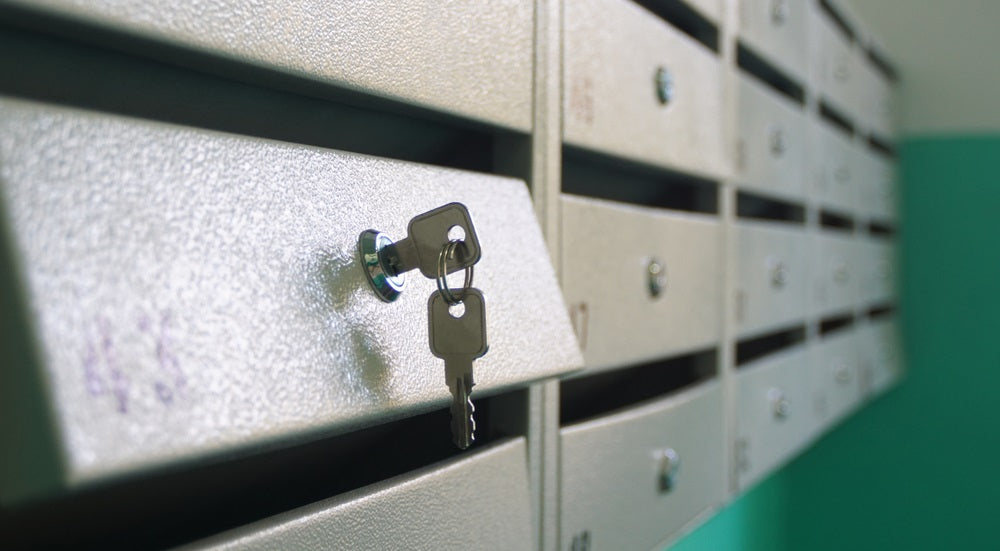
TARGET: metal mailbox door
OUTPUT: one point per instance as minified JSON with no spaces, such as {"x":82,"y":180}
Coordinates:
{"x":193,"y":293}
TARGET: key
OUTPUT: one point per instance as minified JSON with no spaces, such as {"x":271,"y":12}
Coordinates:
{"x":426,"y":234}
{"x":459,"y":341}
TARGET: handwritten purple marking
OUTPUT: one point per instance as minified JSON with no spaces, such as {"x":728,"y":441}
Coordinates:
{"x":164,"y":393}
{"x":95,"y":385}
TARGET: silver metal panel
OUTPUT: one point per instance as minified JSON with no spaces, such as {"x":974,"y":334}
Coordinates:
{"x":833,"y":169}
{"x":607,"y":248}
{"x":773,"y":416}
{"x":877,"y":268}
{"x":612,"y":53}
{"x":478,"y":502}
{"x":610,"y":470}
{"x":836,"y":73}
{"x":772,"y":141}
{"x":776,"y":29}
{"x":772,"y":278}
{"x":200,"y":292}
{"x":447,"y":55}
{"x":835,"y":272}
{"x":834,"y":376}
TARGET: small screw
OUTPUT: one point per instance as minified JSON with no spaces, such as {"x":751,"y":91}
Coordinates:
{"x":842,"y":373}
{"x":664,"y":85}
{"x":778,"y":142}
{"x":779,"y":273}
{"x":669,"y":465}
{"x":657,"y":275}
{"x":779,"y":11}
{"x":779,"y":403}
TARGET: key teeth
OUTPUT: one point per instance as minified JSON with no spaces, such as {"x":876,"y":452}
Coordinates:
{"x":460,"y":422}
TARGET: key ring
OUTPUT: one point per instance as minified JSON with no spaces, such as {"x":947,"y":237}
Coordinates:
{"x":442,"y":282}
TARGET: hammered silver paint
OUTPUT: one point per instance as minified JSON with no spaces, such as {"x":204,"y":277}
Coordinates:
{"x":195,"y":292}
{"x":448,"y":55}
{"x":478,"y":502}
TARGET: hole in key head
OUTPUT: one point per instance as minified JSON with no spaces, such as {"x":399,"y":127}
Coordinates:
{"x":456,"y":233}
{"x":456,"y":310}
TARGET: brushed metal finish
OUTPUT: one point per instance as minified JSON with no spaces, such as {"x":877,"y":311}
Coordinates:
{"x":833,"y":169}
{"x":835,"y":272}
{"x":480,"y":501}
{"x":762,"y":301}
{"x":777,"y":29}
{"x":762,"y":164}
{"x":833,"y":357}
{"x":607,"y":248}
{"x":611,"y":467}
{"x":447,"y":55}
{"x":201,"y":292}
{"x":612,"y":51}
{"x":769,"y":439}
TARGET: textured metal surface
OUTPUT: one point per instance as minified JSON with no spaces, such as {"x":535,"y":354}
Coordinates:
{"x":768,"y":440}
{"x":195,"y":292}
{"x":607,"y":248}
{"x":762,"y":250}
{"x":833,"y":170}
{"x":613,"y":49}
{"x":776,"y":29}
{"x":478,"y":502}
{"x":448,"y":55}
{"x":772,"y":141}
{"x":610,"y":468}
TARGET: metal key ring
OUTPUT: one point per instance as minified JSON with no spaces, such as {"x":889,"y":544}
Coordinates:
{"x":442,"y":282}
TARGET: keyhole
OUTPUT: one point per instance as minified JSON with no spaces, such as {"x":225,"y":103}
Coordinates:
{"x":456,"y":233}
{"x":456,"y":310}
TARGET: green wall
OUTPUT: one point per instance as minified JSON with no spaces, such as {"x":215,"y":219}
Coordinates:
{"x":916,"y":468}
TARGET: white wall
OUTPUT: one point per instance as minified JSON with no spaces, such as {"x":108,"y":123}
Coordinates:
{"x":948,"y":53}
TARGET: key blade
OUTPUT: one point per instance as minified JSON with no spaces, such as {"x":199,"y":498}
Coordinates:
{"x":463,"y":421}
